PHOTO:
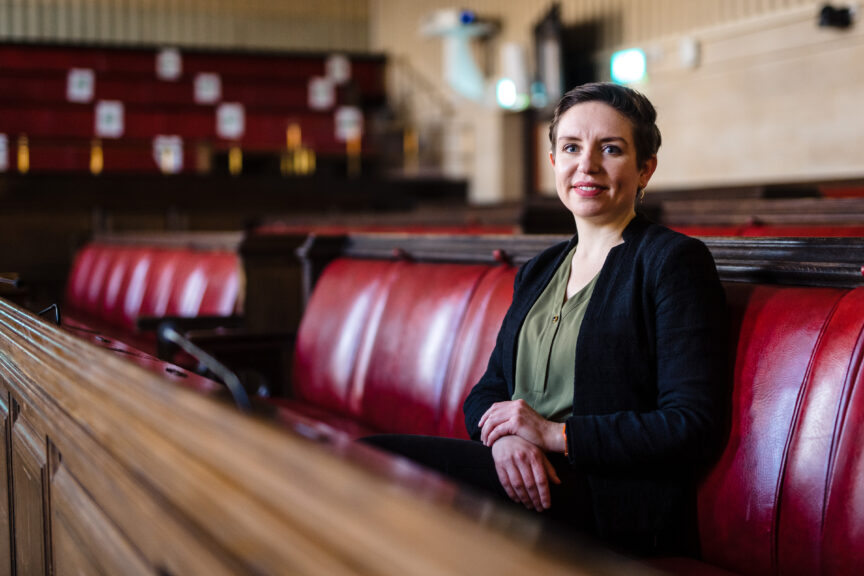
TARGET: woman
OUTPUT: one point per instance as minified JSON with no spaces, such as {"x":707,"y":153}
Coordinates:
{"x":603,"y":397}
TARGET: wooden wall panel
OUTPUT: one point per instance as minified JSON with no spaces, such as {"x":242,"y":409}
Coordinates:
{"x":85,"y":540}
{"x":5,"y":506}
{"x":272,"y":24}
{"x":774,"y":99}
{"x":30,"y":489}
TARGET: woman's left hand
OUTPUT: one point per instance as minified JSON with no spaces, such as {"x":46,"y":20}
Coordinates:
{"x":517,"y":418}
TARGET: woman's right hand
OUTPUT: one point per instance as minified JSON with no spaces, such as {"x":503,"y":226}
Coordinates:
{"x":524,"y":472}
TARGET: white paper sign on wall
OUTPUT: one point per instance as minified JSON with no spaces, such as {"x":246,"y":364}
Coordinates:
{"x":230,"y":121}
{"x":349,"y":123}
{"x":169,"y":64}
{"x":4,"y":153}
{"x":168,"y":153}
{"x":322,"y":93}
{"x":208,"y":88}
{"x":109,"y":119}
{"x":80,"y":85}
{"x":338,"y":68}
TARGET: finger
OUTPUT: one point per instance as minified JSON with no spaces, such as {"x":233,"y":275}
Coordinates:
{"x":517,"y":484}
{"x":522,"y":491}
{"x":484,"y":432}
{"x":550,"y":471}
{"x":485,"y":425}
{"x":493,"y":422}
{"x":497,"y":432}
{"x":489,"y":411}
{"x":529,"y":482}
{"x":504,"y":479}
{"x":542,"y":482}
{"x":484,"y":416}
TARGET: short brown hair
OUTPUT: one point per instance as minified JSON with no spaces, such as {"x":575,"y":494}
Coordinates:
{"x":631,"y":104}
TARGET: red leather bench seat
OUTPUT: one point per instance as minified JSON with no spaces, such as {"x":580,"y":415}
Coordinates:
{"x":394,"y":346}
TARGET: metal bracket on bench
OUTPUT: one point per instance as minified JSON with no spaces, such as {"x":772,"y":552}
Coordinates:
{"x":52,"y":308}
{"x":168,"y":333}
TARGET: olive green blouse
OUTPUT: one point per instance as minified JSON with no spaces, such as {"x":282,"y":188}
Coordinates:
{"x":546,"y":352}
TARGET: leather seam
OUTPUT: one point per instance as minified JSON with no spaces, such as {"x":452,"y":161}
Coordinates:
{"x":793,"y":427}
{"x":854,"y":368}
{"x":452,"y":369}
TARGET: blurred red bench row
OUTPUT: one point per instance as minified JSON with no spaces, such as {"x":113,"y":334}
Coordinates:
{"x":262,"y":130}
{"x":367,"y":71}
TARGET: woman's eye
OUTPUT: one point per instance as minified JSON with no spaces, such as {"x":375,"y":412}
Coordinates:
{"x":569,"y":148}
{"x":611,"y":149}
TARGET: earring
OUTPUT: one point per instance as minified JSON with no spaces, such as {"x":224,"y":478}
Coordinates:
{"x":642,"y":194}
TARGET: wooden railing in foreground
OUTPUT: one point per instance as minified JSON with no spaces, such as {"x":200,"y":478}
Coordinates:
{"x":111,"y":470}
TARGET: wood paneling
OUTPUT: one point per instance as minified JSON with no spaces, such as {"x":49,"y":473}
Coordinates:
{"x":6,"y":559}
{"x":30,"y":501}
{"x":85,"y":540}
{"x":328,"y":24}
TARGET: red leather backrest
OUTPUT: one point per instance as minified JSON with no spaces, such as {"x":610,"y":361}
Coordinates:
{"x":761,"y":506}
{"x":814,"y":442}
{"x":843,"y":532}
{"x":398,"y":345}
{"x":203,"y":284}
{"x":339,"y":314}
{"x":79,"y":275}
{"x":117,"y":284}
{"x":401,"y":375}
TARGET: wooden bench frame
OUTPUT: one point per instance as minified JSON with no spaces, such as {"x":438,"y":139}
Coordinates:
{"x":107,"y":468}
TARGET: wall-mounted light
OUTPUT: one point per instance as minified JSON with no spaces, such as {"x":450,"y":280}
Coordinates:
{"x":513,"y":91}
{"x":458,"y":28}
{"x":505,"y":93}
{"x":628,"y":66}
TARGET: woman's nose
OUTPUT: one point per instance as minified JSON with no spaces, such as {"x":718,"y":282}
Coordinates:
{"x":589,"y":162}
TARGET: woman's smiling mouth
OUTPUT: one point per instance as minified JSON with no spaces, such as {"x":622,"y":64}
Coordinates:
{"x":588,"y":190}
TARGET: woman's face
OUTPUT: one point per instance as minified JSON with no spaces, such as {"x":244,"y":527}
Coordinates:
{"x":594,"y":159}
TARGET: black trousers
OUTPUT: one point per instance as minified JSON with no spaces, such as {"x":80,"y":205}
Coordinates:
{"x":471,"y":463}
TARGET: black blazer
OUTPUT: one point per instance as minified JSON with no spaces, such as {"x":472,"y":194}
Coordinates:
{"x":650,"y":379}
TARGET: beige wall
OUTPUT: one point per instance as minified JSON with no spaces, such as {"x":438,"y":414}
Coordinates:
{"x":774,"y":98}
{"x":264,"y":24}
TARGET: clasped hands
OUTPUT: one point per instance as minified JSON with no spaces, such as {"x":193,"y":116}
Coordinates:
{"x":519,"y":438}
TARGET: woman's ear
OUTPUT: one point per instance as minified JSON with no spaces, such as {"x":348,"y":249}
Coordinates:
{"x":647,"y":171}
{"x":552,"y":157}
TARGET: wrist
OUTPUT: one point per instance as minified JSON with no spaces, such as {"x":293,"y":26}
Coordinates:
{"x":553,"y":438}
